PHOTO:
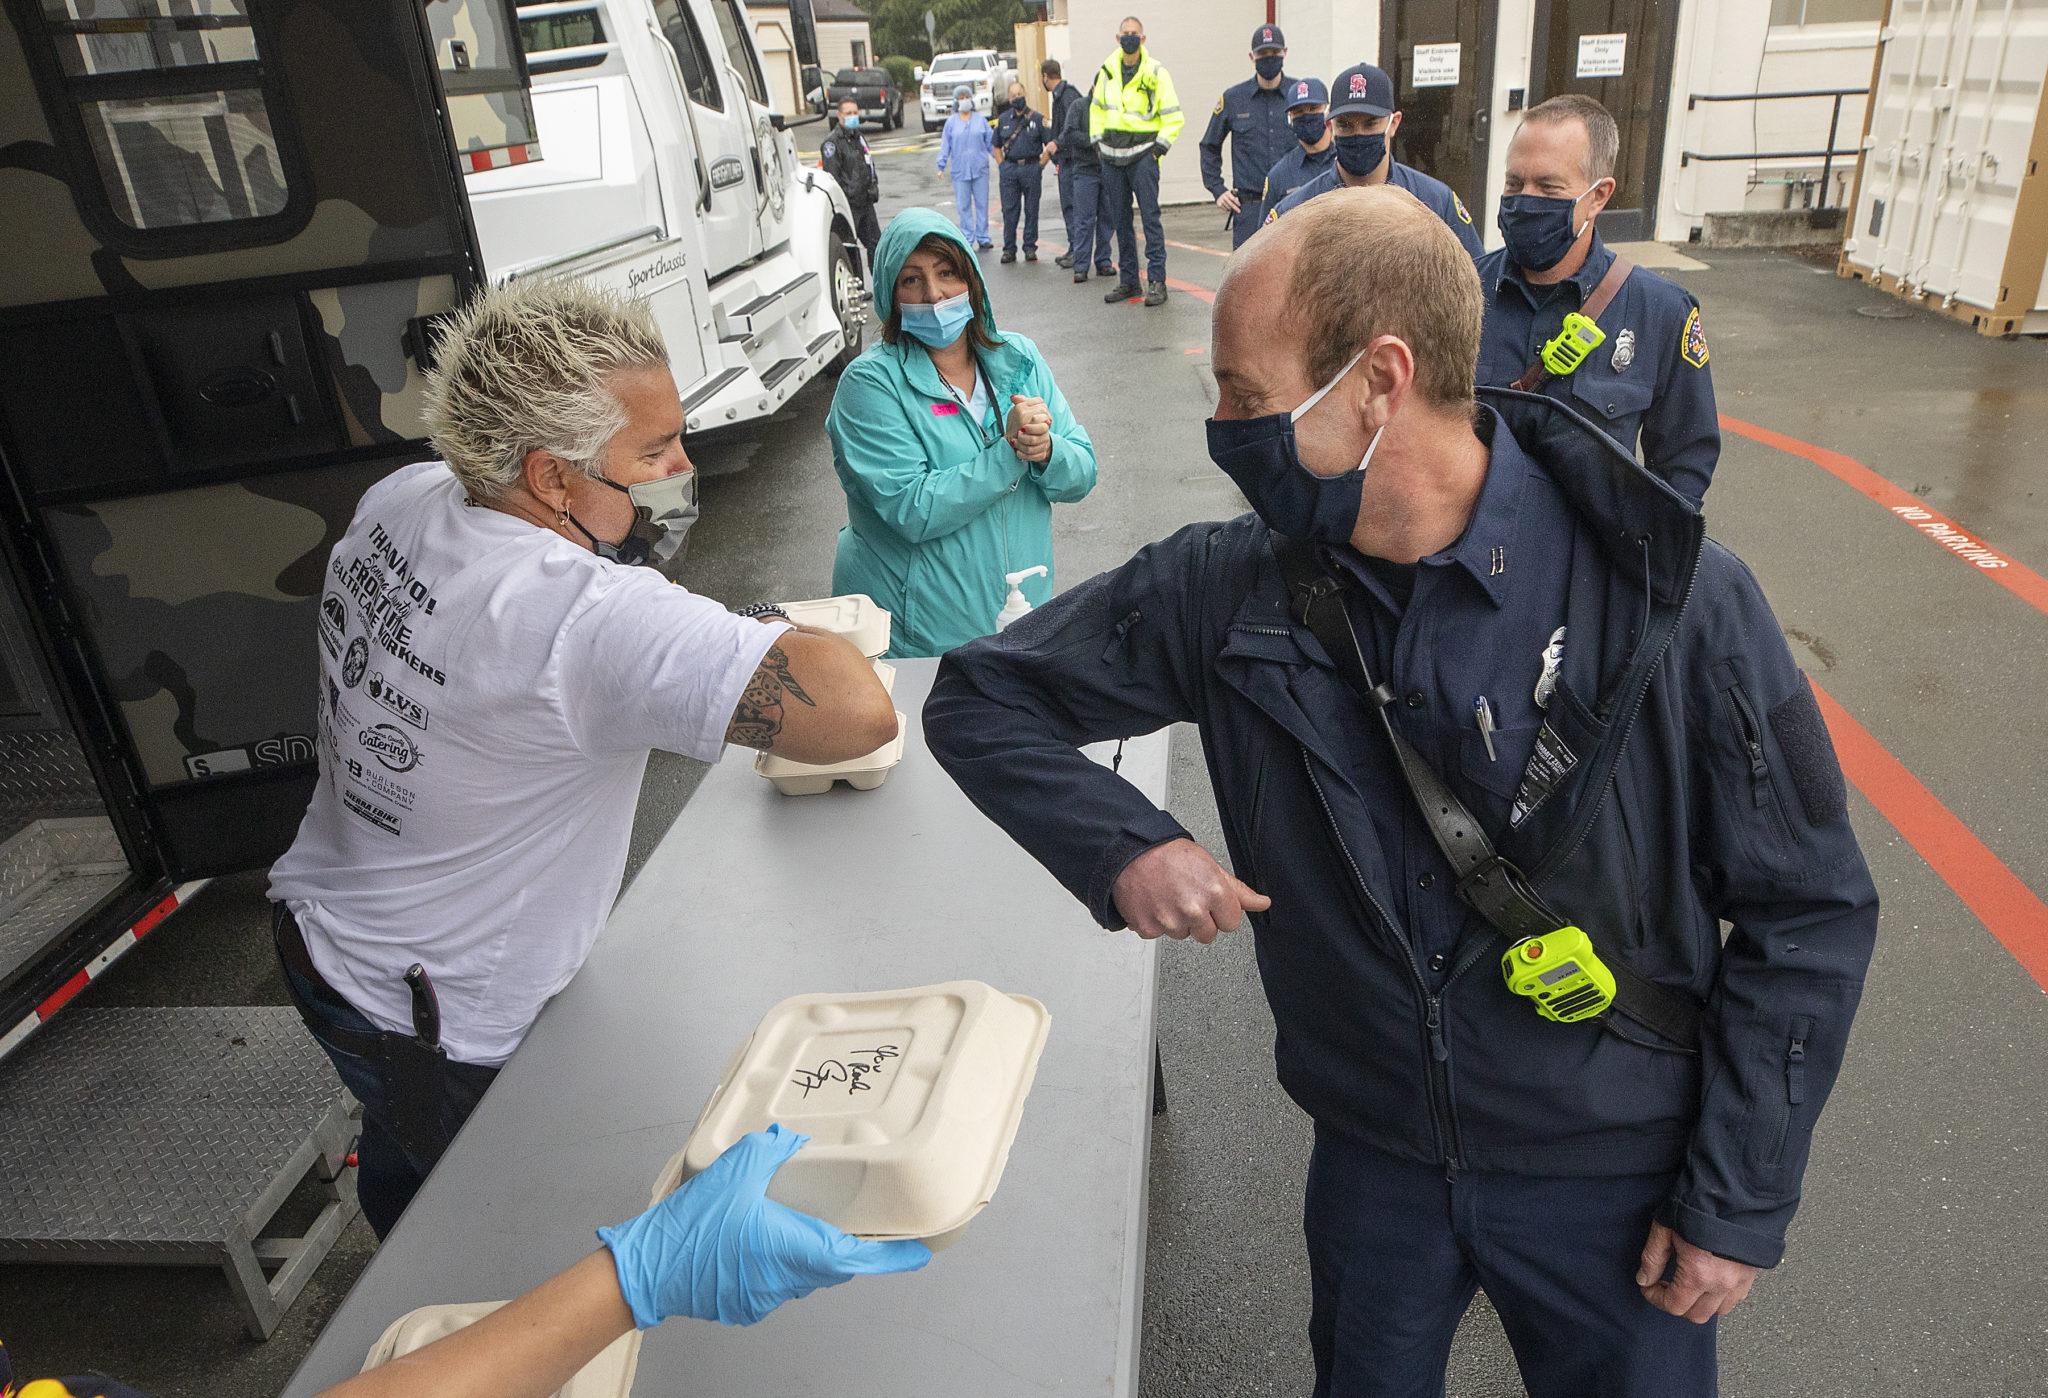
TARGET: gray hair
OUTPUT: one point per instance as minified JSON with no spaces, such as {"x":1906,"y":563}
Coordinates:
{"x":1603,"y":137}
{"x":525,"y":368}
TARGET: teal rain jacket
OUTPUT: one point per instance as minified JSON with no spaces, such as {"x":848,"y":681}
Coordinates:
{"x":938,"y":507}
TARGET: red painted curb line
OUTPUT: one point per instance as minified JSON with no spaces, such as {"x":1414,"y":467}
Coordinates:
{"x":2015,"y":915}
{"x":2016,"y":578}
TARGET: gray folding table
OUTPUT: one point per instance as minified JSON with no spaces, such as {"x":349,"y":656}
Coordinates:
{"x":750,"y":898}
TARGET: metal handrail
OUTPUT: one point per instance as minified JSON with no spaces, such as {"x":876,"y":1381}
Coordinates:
{"x":1826,"y":157}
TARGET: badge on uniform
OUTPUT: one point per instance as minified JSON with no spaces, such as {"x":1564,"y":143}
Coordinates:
{"x":1219,"y":108}
{"x":1624,"y":351}
{"x":826,"y":150}
{"x":1692,"y":341}
{"x":1459,"y":205}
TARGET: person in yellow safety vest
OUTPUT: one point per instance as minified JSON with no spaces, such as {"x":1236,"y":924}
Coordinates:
{"x":1134,"y":118}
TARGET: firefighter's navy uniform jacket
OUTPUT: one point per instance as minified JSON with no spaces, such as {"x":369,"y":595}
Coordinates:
{"x":1701,"y":787}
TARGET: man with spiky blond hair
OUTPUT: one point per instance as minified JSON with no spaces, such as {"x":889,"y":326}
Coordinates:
{"x":495,"y":670}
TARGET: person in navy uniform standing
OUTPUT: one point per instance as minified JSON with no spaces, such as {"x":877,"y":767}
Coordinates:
{"x":1253,"y":115}
{"x":1315,"y":147}
{"x":1647,"y":384}
{"x":1021,"y":139}
{"x":1605,"y":693}
{"x":1363,"y":116}
{"x":1064,"y":97}
{"x":845,"y":157}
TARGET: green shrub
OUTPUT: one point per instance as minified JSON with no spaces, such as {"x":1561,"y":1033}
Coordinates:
{"x":904,"y":71}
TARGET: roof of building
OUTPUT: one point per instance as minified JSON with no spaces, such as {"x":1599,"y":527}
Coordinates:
{"x":837,"y":9}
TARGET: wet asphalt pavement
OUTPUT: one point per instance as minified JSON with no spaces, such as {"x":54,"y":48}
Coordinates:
{"x":1915,"y":1265}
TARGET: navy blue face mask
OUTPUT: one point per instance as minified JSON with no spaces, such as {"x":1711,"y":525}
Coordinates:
{"x":1361,"y":155}
{"x":1539,"y":230}
{"x":1259,"y":454}
{"x":1269,"y":67}
{"x":1130,"y":43}
{"x":1309,"y":128}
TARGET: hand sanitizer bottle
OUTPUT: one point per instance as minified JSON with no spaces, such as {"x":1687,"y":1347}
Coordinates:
{"x":1014,"y":605}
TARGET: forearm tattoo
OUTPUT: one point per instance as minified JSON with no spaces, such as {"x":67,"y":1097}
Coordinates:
{"x":757,"y":721}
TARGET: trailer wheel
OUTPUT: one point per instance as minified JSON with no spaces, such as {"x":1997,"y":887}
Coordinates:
{"x":850,"y":304}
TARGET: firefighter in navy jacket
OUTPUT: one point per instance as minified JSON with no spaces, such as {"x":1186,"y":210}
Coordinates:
{"x":1657,"y":765}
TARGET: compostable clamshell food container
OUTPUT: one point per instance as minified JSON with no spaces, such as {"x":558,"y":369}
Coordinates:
{"x":911,"y":1099}
{"x":609,"y":1375}
{"x":855,"y":616}
{"x":860,"y":773}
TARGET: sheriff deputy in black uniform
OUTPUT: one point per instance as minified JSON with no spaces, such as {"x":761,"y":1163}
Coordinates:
{"x":1021,"y":139}
{"x":1647,"y":377}
{"x":1253,"y":114}
{"x":1315,"y":146}
{"x":844,"y":156}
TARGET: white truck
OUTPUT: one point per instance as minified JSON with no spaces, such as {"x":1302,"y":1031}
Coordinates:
{"x":981,"y":71}
{"x":664,"y":172}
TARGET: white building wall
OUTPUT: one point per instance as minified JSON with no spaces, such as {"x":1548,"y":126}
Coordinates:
{"x":835,"y":43}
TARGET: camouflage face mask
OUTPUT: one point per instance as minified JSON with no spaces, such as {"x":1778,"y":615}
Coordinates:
{"x":663,"y":511}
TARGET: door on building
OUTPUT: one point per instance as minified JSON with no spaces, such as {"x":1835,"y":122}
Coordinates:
{"x":1440,"y":56}
{"x":1619,"y":53}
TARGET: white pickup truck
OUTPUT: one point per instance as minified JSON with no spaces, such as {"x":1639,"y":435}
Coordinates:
{"x":981,"y":71}
{"x":663,"y":171}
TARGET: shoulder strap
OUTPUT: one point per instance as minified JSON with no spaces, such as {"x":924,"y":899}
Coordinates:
{"x":1489,"y":883}
{"x":1534,"y":377}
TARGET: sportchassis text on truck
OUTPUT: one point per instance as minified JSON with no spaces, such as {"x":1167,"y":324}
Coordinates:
{"x":224,"y":251}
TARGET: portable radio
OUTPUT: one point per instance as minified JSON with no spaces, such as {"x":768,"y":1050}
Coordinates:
{"x":1560,"y":972}
{"x":1569,"y":348}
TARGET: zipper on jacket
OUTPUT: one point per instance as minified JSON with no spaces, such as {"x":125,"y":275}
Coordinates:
{"x":1752,"y":740}
{"x":1795,"y":1081}
{"x":1442,"y":1122}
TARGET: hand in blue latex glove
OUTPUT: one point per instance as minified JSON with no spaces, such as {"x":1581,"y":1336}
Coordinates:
{"x":720,"y":1249}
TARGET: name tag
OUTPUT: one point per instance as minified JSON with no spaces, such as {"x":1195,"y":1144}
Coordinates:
{"x":945,"y":410}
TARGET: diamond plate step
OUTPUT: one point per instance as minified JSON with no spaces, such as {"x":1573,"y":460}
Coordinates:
{"x":172,"y":1136}
{"x":51,"y":873}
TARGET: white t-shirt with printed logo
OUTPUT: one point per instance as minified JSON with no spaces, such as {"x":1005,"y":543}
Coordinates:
{"x":489,"y":695}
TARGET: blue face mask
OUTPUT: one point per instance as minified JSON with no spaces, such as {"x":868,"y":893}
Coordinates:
{"x":1539,"y":230}
{"x":1268,"y":67}
{"x":1259,"y":454}
{"x":851,"y":121}
{"x":939,"y":324}
{"x":1361,"y":155}
{"x":1309,"y":127}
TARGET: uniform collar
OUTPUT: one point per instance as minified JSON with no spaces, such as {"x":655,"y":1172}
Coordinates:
{"x":1486,"y":550}
{"x":1599,"y":257}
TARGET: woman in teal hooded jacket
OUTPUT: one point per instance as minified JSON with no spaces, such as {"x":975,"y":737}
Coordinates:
{"x":949,"y":485}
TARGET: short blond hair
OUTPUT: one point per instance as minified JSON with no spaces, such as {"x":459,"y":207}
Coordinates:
{"x":1377,"y":261}
{"x":526,"y":367}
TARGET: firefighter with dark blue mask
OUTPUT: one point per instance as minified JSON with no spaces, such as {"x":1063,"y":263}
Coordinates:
{"x":1644,"y":379}
{"x":1021,"y":139}
{"x":1364,"y":119}
{"x":1252,"y":116}
{"x":1315,"y":146}
{"x":1539,"y":628}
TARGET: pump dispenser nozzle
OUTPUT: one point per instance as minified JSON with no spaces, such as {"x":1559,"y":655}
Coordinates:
{"x":1014,"y":605}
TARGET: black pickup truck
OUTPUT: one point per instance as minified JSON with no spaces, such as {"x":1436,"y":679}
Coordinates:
{"x":876,"y":91}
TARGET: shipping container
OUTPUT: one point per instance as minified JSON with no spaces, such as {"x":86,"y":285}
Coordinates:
{"x":1951,"y":204}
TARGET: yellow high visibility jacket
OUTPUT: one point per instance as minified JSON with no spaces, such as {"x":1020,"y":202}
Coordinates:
{"x":1128,"y":121}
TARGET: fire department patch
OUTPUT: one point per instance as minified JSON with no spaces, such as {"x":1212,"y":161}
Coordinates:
{"x":1692,"y":341}
{"x":1219,"y":108}
{"x":1459,"y":205}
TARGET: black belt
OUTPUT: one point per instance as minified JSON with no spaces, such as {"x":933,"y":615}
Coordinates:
{"x":1020,"y":160}
{"x":1249,"y":193}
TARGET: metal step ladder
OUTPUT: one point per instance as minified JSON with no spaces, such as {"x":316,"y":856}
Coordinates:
{"x":172,"y":1137}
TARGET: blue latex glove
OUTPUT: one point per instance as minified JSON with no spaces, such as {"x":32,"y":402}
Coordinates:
{"x":720,"y":1249}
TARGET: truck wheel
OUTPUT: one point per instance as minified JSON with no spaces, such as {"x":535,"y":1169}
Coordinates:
{"x":929,"y":128}
{"x":850,"y":304}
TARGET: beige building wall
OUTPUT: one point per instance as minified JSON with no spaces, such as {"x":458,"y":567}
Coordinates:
{"x":835,"y":44}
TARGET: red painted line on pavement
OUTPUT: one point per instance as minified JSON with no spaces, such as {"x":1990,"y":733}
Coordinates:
{"x":1197,"y":247}
{"x":2016,"y":578}
{"x":2013,"y":912}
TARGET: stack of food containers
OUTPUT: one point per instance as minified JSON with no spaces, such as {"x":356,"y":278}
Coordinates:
{"x":610,"y":1375}
{"x":911,"y":1099}
{"x":866,"y":625}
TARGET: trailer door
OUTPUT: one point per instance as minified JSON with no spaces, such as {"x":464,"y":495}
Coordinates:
{"x":230,"y":224}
